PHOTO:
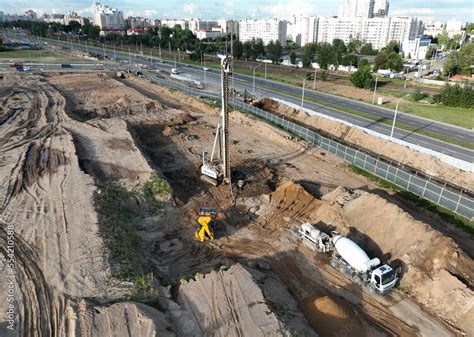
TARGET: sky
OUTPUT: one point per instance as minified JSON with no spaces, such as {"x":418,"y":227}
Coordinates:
{"x":441,"y":10}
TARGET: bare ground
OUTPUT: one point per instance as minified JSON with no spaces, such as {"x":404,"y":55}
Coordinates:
{"x":50,"y":164}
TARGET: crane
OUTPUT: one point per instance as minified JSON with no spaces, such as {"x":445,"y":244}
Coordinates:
{"x":217,"y":169}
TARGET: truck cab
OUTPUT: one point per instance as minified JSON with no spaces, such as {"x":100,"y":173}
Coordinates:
{"x":384,"y":278}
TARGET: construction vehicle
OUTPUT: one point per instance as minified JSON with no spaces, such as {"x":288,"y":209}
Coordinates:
{"x":217,"y":169}
{"x":206,"y":221}
{"x":351,"y":260}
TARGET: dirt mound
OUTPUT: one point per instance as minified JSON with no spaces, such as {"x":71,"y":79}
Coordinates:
{"x":270,"y":105}
{"x":181,"y":119}
{"x":327,"y":315}
{"x":235,"y":306}
{"x":291,"y":202}
{"x":399,"y":153}
{"x":107,"y":151}
{"x":87,"y":99}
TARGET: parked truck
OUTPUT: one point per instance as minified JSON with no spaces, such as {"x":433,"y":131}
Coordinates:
{"x":351,"y":260}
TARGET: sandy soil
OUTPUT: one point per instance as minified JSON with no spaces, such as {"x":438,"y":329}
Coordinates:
{"x":419,"y":161}
{"x":255,"y":279}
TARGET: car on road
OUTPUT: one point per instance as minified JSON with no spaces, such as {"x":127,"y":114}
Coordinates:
{"x":174,"y":71}
{"x":205,"y":68}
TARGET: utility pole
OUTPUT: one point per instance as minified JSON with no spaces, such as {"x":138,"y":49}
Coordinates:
{"x":314,"y":80}
{"x":121,"y":44}
{"x":265,"y":70}
{"x":375,"y":89}
{"x":129,"y":56}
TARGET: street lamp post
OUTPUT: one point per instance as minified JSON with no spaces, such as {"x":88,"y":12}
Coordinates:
{"x":253,"y":83}
{"x":302,"y":91}
{"x":394,"y":118}
{"x":375,"y":89}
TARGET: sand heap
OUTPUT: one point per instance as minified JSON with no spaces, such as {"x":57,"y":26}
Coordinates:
{"x":399,"y":153}
{"x":328,"y":314}
{"x":435,"y":270}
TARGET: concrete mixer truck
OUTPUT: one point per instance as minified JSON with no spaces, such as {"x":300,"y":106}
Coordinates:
{"x":350,"y":259}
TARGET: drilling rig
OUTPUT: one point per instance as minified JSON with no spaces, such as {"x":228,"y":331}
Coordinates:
{"x":217,"y":169}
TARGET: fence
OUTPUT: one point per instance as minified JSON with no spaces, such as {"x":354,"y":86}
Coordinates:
{"x":439,"y":193}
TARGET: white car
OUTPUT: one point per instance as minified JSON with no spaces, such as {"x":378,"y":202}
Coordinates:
{"x":174,"y":71}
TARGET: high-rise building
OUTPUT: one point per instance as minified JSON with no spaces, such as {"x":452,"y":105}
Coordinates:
{"x":265,"y":29}
{"x":303,"y":29}
{"x":229,"y":26}
{"x":381,"y":8}
{"x":357,"y":9}
{"x":377,"y":31}
{"x":171,"y":23}
{"x":108,"y":18}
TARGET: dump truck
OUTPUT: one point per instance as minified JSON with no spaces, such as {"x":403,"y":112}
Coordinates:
{"x":351,"y":260}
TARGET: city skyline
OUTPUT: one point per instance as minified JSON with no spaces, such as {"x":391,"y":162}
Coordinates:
{"x":440,"y":10}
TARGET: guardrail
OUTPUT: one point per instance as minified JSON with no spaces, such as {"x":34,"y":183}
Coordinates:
{"x":456,"y":200}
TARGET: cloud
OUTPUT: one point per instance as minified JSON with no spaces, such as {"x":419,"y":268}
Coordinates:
{"x":285,"y":9}
{"x":190,"y":8}
{"x":85,"y":11}
{"x":150,"y":13}
{"x":413,"y":11}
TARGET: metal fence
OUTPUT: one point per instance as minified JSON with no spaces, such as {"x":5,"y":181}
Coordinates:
{"x":438,"y":193}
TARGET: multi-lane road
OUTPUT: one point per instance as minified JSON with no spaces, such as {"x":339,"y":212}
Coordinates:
{"x":292,"y":94}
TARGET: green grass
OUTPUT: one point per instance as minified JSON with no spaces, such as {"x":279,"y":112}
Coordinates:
{"x":462,"y":117}
{"x":447,"y":215}
{"x":119,"y":212}
{"x":40,"y":56}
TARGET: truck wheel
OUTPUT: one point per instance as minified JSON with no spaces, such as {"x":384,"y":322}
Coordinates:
{"x":357,"y":280}
{"x":371,"y":290}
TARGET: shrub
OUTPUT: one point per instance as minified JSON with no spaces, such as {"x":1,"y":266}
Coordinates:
{"x":157,"y":188}
{"x":362,"y":78}
{"x":457,"y":95}
{"x":418,"y":95}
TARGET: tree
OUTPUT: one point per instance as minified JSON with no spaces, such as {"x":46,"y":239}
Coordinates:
{"x":338,"y":50}
{"x":258,"y":49}
{"x":247,"y":50}
{"x":363,"y":63}
{"x":293,"y":57}
{"x":362,"y":78}
{"x":392,"y":46}
{"x":394,"y":62}
{"x":323,"y":55}
{"x":309,"y":51}
{"x":349,"y":60}
{"x":238,"y":49}
{"x":274,"y":51}
{"x":456,"y":95}
{"x":354,"y":46}
{"x":367,"y":49}
{"x":459,"y":62}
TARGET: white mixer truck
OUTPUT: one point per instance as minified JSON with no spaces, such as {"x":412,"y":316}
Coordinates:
{"x":350,"y":259}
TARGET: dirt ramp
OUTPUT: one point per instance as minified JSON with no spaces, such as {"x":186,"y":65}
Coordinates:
{"x":107,"y":151}
{"x":435,"y":270}
{"x":225,"y":303}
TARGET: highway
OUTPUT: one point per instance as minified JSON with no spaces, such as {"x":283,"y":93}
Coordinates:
{"x":287,"y":92}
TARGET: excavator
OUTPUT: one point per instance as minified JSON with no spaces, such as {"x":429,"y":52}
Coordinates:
{"x":206,"y":221}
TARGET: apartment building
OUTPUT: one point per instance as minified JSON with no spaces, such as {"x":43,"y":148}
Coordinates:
{"x":265,"y":29}
{"x":303,"y":29}
{"x":378,"y":31}
{"x":107,"y":18}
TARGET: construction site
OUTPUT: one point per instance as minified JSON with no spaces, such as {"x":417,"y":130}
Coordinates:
{"x":138,"y":210}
